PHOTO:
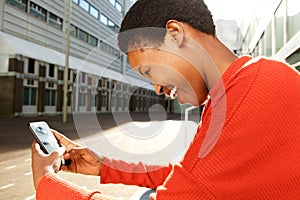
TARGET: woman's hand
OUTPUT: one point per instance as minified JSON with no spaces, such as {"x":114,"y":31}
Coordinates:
{"x":83,"y":160}
{"x":43,"y":163}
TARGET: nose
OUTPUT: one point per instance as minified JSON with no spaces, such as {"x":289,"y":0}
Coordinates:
{"x":159,"y":89}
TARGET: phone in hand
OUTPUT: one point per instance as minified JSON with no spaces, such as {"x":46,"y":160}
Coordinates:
{"x":45,"y":138}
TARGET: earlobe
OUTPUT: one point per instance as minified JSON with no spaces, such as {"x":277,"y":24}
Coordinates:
{"x":175,"y":31}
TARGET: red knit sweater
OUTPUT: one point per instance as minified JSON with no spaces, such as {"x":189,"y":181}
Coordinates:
{"x":246,"y":147}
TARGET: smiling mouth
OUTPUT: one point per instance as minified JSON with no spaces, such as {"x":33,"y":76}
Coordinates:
{"x":173,"y":93}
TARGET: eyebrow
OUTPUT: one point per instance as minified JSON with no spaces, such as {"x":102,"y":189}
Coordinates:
{"x":140,"y":71}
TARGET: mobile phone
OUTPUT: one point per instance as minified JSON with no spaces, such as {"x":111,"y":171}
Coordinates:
{"x":45,"y":138}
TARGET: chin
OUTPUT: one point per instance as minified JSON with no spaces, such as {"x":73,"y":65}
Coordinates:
{"x":192,"y":103}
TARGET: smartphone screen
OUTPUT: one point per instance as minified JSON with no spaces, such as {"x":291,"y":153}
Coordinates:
{"x":44,"y":136}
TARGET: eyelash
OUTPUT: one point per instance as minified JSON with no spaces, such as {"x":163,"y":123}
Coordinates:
{"x":147,"y":72}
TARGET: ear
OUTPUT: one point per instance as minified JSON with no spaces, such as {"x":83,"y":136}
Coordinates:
{"x":175,"y":31}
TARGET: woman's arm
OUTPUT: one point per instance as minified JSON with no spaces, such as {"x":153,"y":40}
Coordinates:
{"x":134,"y":174}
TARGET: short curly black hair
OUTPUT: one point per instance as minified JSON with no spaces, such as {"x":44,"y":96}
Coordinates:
{"x":143,"y":19}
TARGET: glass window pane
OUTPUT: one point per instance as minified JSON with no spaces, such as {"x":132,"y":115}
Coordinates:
{"x":293,"y":17}
{"x":103,"y":19}
{"x":47,"y":97}
{"x":69,"y":99}
{"x":103,"y":100}
{"x":33,"y":96}
{"x":279,"y":25}
{"x":111,"y":25}
{"x":75,"y":1}
{"x":93,"y":40}
{"x":94,"y":12}
{"x":118,"y":7}
{"x":31,"y":68}
{"x":19,"y":4}
{"x":55,"y":21}
{"x":82,"y":99}
{"x":37,"y":11}
{"x":53,"y":97}
{"x":51,"y":72}
{"x":26,"y":96}
{"x":83,"y":35}
{"x":85,"y":5}
{"x":112,"y":2}
{"x":73,"y":30}
{"x":268,"y":39}
{"x":294,"y":59}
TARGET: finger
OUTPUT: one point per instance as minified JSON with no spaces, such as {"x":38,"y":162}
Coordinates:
{"x":67,"y":156}
{"x":77,"y":151}
{"x":64,"y":140}
{"x":59,"y":151}
{"x":36,"y":148}
{"x":61,"y":138}
{"x":33,"y":144}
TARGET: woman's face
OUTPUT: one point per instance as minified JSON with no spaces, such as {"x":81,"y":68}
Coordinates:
{"x":170,"y":72}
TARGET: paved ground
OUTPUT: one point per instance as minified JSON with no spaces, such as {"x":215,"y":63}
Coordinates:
{"x":15,"y":142}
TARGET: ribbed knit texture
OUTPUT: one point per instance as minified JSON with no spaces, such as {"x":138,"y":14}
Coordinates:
{"x":253,"y":154}
{"x":52,"y":187}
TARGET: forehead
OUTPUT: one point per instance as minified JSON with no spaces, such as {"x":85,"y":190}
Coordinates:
{"x":141,"y":56}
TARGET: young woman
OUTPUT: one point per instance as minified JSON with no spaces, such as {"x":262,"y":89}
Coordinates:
{"x":247,"y":144}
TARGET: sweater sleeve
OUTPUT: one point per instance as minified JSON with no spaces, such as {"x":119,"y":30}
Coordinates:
{"x":53,"y":187}
{"x":134,"y":174}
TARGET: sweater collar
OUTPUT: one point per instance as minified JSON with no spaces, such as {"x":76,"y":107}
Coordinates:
{"x":232,"y":69}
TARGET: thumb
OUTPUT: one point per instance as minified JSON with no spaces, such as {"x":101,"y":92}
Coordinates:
{"x":59,"y":152}
{"x":56,"y":157}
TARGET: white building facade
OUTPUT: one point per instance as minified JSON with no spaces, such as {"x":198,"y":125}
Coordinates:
{"x":33,"y":58}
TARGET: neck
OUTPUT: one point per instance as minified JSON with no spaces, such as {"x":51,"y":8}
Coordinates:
{"x":219,"y":53}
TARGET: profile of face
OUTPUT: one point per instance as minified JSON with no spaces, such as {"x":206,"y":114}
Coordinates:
{"x":169,"y":74}
{"x":172,"y":69}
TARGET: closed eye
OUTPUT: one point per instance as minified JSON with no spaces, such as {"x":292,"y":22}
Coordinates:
{"x":145,"y":73}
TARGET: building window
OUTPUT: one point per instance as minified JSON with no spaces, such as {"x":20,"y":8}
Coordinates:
{"x":109,"y":49}
{"x":31,"y":66}
{"x":84,"y":4}
{"x":94,"y":12}
{"x":118,"y":7}
{"x":30,"y":93}
{"x":293,"y":17}
{"x":51,"y":71}
{"x":70,"y":75}
{"x":116,"y":4}
{"x":29,"y":97}
{"x":21,"y":4}
{"x":37,"y":11}
{"x":94,"y":99}
{"x":103,"y":19}
{"x":73,"y":31}
{"x":69,"y":100}
{"x":50,"y":97}
{"x":82,"y":98}
{"x":103,"y":99}
{"x":55,"y":21}
{"x":111,"y":25}
{"x":294,"y":59}
{"x":93,"y":40}
{"x":83,"y":78}
{"x":83,"y":35}
{"x":112,"y":2}
{"x":279,"y":25}
{"x":75,"y":1}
